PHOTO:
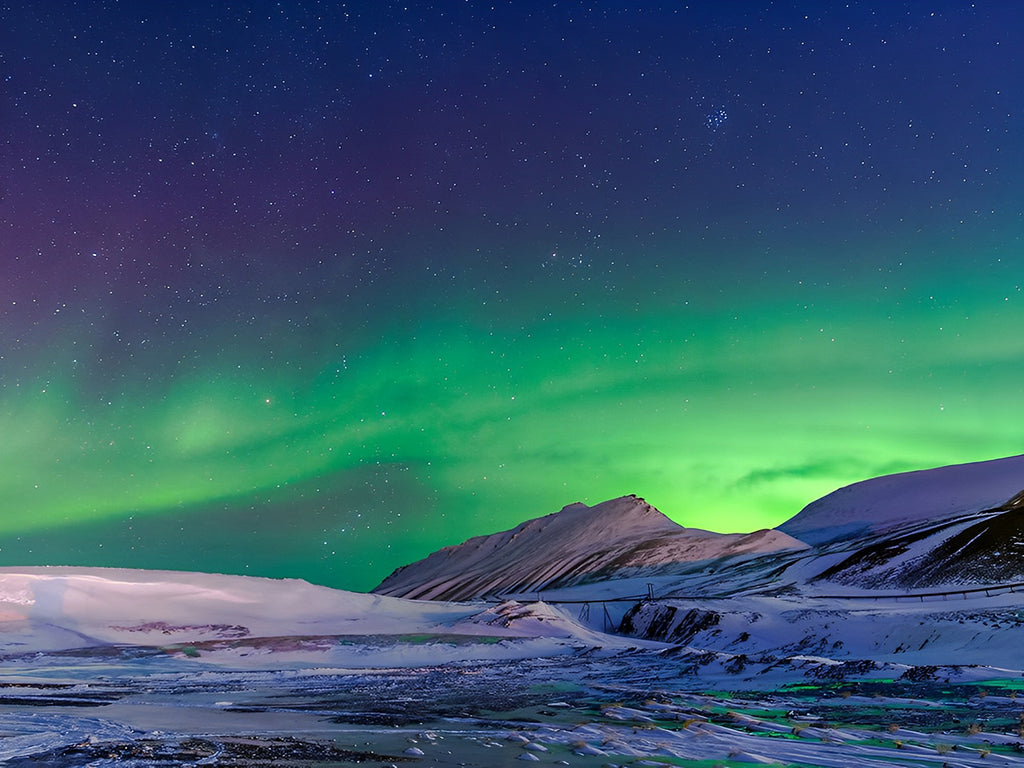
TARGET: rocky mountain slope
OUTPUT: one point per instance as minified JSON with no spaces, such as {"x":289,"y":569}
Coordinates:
{"x":579,"y":544}
{"x":979,"y":546}
{"x":920,"y":567}
{"x":955,"y":525}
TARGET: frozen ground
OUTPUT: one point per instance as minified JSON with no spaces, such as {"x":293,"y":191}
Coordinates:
{"x":584,"y":707}
{"x":222,"y":679}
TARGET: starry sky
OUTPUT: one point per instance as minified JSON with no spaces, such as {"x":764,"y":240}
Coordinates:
{"x":314,"y":288}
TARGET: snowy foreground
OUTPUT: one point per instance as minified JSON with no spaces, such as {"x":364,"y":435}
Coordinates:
{"x":114,"y":667}
{"x":884,"y":625}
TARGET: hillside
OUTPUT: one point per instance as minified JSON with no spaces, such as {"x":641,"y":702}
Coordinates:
{"x":884,"y":503}
{"x":577,"y":545}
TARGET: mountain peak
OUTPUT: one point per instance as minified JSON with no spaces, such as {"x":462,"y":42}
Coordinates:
{"x":576,"y":544}
{"x":625,"y":517}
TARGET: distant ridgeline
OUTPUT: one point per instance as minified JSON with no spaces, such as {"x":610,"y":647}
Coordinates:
{"x":951,"y":525}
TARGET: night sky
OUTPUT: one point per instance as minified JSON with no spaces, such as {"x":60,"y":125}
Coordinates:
{"x":314,"y":288}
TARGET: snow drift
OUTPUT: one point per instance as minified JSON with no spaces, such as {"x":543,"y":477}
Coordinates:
{"x":249,"y":621}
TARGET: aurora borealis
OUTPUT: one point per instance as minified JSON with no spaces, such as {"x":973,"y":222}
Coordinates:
{"x":312,"y":289}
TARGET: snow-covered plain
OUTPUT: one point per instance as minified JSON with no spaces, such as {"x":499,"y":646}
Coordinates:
{"x":732,"y":650}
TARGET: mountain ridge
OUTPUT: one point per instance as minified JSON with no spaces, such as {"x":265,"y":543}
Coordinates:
{"x":958,"y":524}
{"x":569,"y":547}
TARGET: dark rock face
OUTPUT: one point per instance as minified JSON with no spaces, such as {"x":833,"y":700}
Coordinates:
{"x":989,"y":551}
{"x":985,"y":548}
{"x":661,"y":621}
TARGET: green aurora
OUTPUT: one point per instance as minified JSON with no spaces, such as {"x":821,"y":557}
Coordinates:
{"x":341,"y":468}
{"x":315,"y":289}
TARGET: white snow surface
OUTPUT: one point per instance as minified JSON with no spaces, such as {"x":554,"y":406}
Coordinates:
{"x":110,"y":604}
{"x":60,"y":608}
{"x":931,"y":494}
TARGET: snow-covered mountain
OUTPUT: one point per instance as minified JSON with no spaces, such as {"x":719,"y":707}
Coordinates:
{"x":919,"y":566}
{"x":577,"y":545}
{"x":889,"y":502}
{"x":874,"y":543}
{"x":955,"y":525}
{"x":960,"y":524}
